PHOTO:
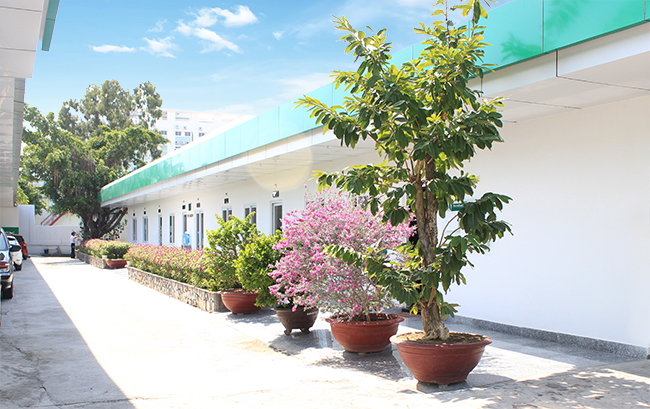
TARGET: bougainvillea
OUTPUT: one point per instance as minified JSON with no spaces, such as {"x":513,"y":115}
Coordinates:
{"x":308,"y":275}
{"x":184,"y":265}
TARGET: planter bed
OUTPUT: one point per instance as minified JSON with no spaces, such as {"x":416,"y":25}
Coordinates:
{"x":209,"y":301}
{"x":93,"y":261}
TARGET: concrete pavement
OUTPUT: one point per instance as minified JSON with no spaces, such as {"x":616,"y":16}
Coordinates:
{"x":78,"y":337}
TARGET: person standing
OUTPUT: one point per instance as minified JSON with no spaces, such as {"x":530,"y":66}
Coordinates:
{"x":72,"y":240}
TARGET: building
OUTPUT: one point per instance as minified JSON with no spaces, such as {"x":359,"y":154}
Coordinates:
{"x":183,"y":127}
{"x":22,"y":26}
{"x":576,"y":161}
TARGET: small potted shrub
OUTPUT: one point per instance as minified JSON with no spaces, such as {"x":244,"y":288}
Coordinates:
{"x":239,"y":290}
{"x":114,"y":252}
{"x":310,"y":277}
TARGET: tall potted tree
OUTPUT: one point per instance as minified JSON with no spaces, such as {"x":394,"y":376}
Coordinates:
{"x":426,"y":123}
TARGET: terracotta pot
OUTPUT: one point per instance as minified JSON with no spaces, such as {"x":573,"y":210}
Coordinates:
{"x":365,"y":336}
{"x":443,"y":364}
{"x":299,"y":319}
{"x":117,"y":263}
{"x":239,"y":302}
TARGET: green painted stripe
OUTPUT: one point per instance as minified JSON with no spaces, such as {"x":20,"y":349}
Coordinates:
{"x":50,"y":18}
{"x":518,"y":31}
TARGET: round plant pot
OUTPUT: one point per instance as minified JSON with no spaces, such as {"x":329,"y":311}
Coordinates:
{"x":299,"y":319}
{"x":365,"y":336}
{"x":117,"y":263}
{"x":239,"y":302}
{"x":443,"y":364}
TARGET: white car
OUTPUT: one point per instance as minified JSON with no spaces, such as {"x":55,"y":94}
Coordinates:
{"x":16,"y":256}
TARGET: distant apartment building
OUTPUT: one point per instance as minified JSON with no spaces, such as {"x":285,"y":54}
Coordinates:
{"x":182,"y":127}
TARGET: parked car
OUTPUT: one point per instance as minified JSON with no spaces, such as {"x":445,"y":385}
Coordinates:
{"x":6,"y":266}
{"x":22,"y":243}
{"x":17,"y":255}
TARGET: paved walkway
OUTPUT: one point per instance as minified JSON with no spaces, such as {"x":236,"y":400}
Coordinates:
{"x":79,"y":337}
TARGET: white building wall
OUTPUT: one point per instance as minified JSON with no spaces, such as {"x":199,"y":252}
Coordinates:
{"x":579,"y":260}
{"x":258,"y":192}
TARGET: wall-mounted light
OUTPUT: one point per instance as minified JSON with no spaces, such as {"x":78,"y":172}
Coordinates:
{"x":189,"y":206}
{"x":275,"y":193}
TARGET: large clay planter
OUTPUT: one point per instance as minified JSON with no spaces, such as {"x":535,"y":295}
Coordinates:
{"x":117,"y":263}
{"x":239,"y":302}
{"x":299,"y":319}
{"x":443,"y":364}
{"x":365,"y":336}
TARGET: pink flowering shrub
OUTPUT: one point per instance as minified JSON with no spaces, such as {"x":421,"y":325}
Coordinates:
{"x":94,"y":247}
{"x":186,"y":266}
{"x":308,"y":275}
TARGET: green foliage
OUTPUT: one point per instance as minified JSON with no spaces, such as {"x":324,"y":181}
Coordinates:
{"x":99,"y":248}
{"x":426,"y":122}
{"x":226,"y":244}
{"x":94,"y":142}
{"x":29,"y":193}
{"x":116,"y":250}
{"x":254,"y":265}
{"x":183,"y":265}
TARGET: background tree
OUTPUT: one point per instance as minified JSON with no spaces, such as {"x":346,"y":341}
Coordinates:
{"x":29,"y":193}
{"x":426,"y":123}
{"x":94,"y":142}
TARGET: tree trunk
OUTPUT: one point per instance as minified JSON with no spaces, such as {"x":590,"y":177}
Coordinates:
{"x":426,"y":216}
{"x":431,"y":322}
{"x":95,"y":226}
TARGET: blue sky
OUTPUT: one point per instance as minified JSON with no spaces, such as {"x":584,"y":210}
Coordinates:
{"x":243,"y":57}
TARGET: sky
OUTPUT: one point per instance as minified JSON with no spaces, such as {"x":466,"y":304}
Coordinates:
{"x":243,"y":57}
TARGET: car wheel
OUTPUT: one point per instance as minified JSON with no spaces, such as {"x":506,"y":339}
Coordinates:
{"x":8,"y":292}
{"x":18,"y":267}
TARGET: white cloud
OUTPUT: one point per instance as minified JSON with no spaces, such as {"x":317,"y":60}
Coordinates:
{"x":211,"y":40}
{"x":113,"y":49}
{"x":422,"y":4}
{"x":161,"y":47}
{"x":217,"y":77}
{"x":159,"y":26}
{"x":298,"y":86}
{"x":278,"y":34}
{"x":207,"y":17}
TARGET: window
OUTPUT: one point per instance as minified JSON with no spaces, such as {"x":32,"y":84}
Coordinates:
{"x":276,"y":214}
{"x":164,"y":116}
{"x":145,"y":227}
{"x":201,"y":134}
{"x":160,"y":229}
{"x":163,"y":133}
{"x":251,"y":209}
{"x":178,"y":133}
{"x":135,"y":230}
{"x":200,"y":230}
{"x":172,"y":229}
{"x":226,"y":212}
{"x":188,"y":133}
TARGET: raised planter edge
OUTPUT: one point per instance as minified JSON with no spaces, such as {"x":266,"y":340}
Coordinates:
{"x":93,"y":261}
{"x":205,"y":300}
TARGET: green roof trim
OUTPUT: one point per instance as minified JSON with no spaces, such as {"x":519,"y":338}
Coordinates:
{"x":50,"y":18}
{"x":518,"y":31}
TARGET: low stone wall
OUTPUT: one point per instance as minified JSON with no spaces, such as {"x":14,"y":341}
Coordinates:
{"x":93,"y":261}
{"x":209,"y":301}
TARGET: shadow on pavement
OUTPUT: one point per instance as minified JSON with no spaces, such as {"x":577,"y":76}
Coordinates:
{"x":44,"y":360}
